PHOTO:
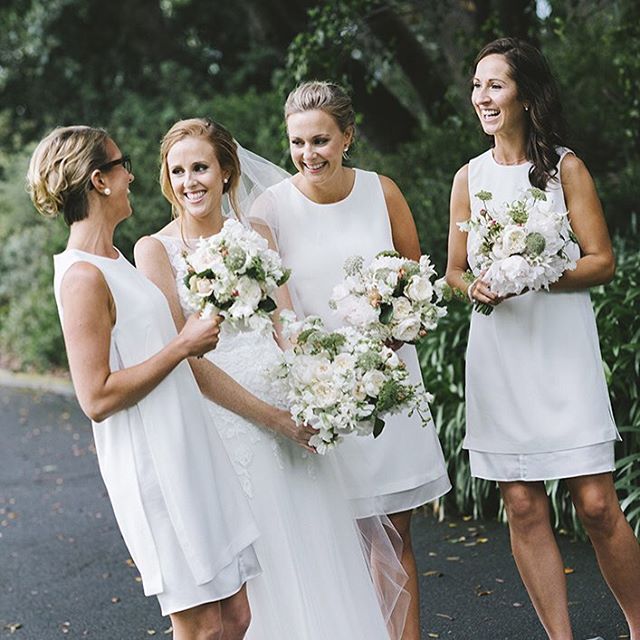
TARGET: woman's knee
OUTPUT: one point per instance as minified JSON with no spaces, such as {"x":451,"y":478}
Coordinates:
{"x":200,"y":623}
{"x":599,"y":512}
{"x":237,"y":624}
{"x":525,"y":505}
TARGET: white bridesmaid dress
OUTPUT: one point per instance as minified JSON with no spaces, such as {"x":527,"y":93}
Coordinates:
{"x":404,"y":467}
{"x":537,"y":401}
{"x":176,"y":498}
{"x":316,"y":583}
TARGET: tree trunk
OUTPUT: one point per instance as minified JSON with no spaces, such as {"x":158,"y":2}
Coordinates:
{"x":419,"y":67}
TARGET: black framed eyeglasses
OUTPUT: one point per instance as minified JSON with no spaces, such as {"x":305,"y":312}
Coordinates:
{"x":125,"y":161}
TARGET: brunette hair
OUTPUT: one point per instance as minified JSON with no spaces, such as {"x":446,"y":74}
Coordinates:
{"x":59,"y":175}
{"x":224,"y":146}
{"x":537,"y":88}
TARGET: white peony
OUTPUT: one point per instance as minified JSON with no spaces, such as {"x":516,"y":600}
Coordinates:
{"x":513,"y":239}
{"x":356,"y":310}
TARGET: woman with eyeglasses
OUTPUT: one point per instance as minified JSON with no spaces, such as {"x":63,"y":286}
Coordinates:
{"x":176,"y":498}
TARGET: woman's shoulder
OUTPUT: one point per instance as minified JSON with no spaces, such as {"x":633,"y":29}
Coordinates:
{"x":570,"y":165}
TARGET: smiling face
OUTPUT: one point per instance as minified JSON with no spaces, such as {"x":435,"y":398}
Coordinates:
{"x":495,"y":98}
{"x":196,"y":177}
{"x":316,"y":145}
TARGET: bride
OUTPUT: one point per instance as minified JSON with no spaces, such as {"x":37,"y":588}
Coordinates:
{"x":316,"y":583}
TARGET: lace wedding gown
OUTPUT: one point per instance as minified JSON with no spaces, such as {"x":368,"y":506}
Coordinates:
{"x":316,"y":583}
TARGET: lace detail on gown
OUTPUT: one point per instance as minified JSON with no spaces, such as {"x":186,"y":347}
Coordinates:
{"x":247,"y":357}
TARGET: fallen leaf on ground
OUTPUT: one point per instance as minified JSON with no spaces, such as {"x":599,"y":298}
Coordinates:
{"x":444,"y":615}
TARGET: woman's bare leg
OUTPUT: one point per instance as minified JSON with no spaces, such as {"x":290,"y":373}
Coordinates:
{"x":616,"y":546}
{"x":537,"y":555}
{"x":402,"y":523}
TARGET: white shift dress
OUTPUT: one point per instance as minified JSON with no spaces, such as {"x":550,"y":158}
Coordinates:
{"x":404,"y":467}
{"x":536,"y":397}
{"x":175,"y":495}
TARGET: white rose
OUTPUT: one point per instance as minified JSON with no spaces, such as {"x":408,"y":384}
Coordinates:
{"x":419,"y":289}
{"x":373,"y":381}
{"x":324,"y":394}
{"x":407,"y":329}
{"x":401,"y":309}
{"x":323,"y":370}
{"x":343,"y":363}
{"x":359,"y":392}
{"x":204,"y":287}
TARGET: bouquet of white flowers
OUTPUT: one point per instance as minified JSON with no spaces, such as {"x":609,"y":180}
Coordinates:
{"x":342,"y":381}
{"x":234,"y":273}
{"x":521,"y":245}
{"x":392,"y":296}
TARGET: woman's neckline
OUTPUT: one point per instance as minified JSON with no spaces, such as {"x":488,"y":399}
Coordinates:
{"x":522,"y":163}
{"x":97,"y":255}
{"x":328,"y":204}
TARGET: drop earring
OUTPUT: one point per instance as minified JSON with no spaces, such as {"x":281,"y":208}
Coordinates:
{"x":345,"y":155}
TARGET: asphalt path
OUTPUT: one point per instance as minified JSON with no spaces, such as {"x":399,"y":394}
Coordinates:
{"x":65,"y":572}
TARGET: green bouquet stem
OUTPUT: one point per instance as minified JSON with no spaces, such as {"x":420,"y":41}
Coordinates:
{"x":483,"y":308}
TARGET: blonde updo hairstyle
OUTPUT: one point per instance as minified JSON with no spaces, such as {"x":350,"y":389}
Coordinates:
{"x":325,"y":96}
{"x":224,"y":147}
{"x":59,"y":175}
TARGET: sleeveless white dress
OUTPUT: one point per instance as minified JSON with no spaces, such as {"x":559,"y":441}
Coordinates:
{"x":316,"y":583}
{"x":179,"y":506}
{"x":404,"y":467}
{"x":536,"y":397}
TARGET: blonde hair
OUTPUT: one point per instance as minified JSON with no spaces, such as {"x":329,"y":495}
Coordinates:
{"x":325,"y":96}
{"x":60,"y":170}
{"x":224,"y":146}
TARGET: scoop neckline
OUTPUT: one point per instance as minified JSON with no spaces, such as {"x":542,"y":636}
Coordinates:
{"x":329,"y":204}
